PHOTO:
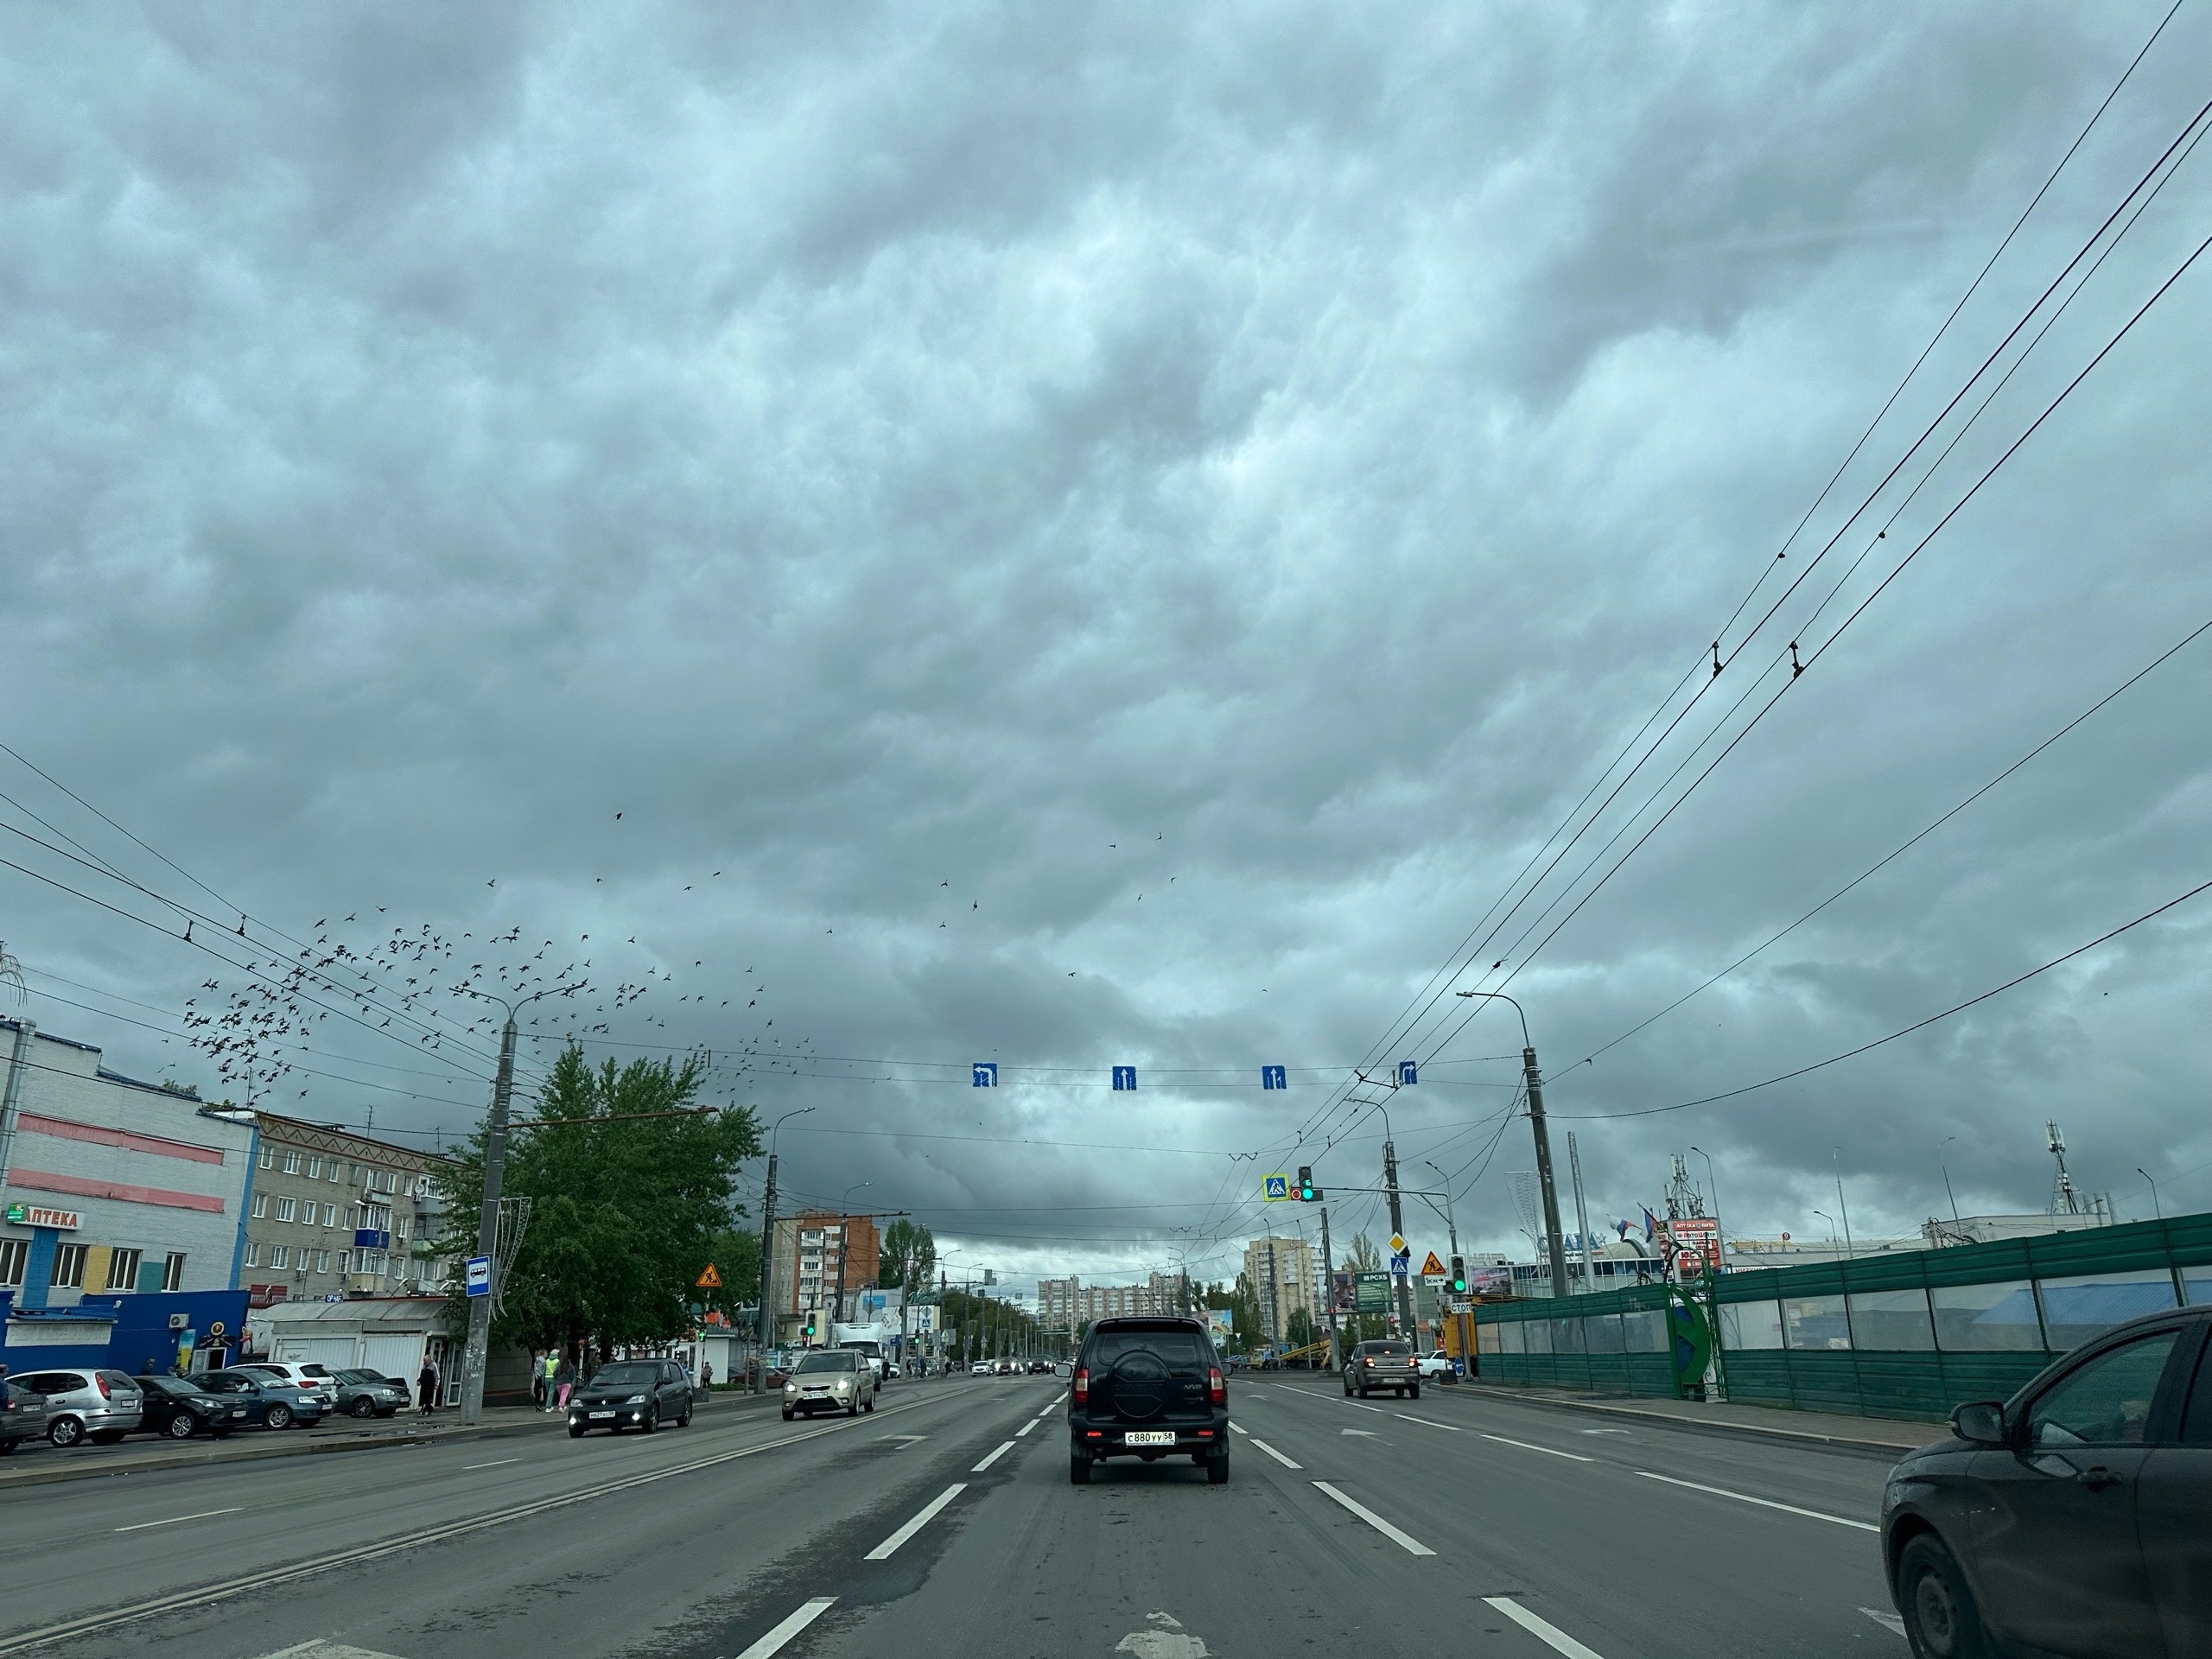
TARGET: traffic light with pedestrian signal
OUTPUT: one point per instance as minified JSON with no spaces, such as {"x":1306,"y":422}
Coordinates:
{"x":1307,"y":1191}
{"x":1459,"y":1275}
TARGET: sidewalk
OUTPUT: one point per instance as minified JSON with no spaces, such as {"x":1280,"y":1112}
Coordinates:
{"x":36,"y":1463}
{"x":1886,"y":1434}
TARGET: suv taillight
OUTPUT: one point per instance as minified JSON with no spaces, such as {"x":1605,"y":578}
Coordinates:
{"x":1217,"y":1390}
{"x":1082,"y":1389}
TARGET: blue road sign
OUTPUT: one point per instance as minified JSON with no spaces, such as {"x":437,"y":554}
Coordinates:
{"x":1275,"y":1186}
{"x":1401,"y":1264}
{"x":480,"y":1275}
{"x":983,"y":1074}
{"x":1125,"y":1077}
{"x":1408,"y":1071}
{"x":1274,"y":1076}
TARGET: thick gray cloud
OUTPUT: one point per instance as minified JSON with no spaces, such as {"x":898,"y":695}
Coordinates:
{"x":956,"y":472}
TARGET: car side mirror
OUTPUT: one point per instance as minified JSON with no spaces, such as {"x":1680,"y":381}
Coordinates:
{"x":1982,"y":1423}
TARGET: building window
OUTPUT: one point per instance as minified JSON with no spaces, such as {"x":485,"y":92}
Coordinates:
{"x":400,"y":1232}
{"x":286,"y":1208}
{"x":291,"y":1163}
{"x":14,"y":1253}
{"x":345,"y":1262}
{"x":314,"y":1168}
{"x":280,"y":1256}
{"x":260,"y":1205}
{"x":333,"y":1169}
{"x":330,"y":1215}
{"x":307,"y":1213}
{"x":268,"y":1157}
{"x":390,"y":1180}
{"x":69,"y":1268}
{"x":122,"y":1270}
{"x":322,"y":1261}
{"x":253,"y":1254}
{"x":173,"y":1271}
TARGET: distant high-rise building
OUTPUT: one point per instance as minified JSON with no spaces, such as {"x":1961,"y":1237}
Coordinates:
{"x":1068,"y":1304}
{"x":1281,"y":1272}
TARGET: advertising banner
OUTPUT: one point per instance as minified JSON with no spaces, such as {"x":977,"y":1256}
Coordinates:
{"x":1372,"y":1293}
{"x":1343,"y":1292}
{"x":1220,"y":1323}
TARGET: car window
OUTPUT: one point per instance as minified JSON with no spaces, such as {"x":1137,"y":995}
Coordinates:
{"x":312,"y":1371}
{"x":119,"y":1379}
{"x":2197,"y":1416}
{"x":2106,"y":1402}
{"x":838,"y":1361}
{"x":1180,"y":1350}
{"x":625,"y":1375}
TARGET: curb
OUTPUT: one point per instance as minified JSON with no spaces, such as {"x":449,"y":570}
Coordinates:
{"x":1760,"y":1431}
{"x":79,"y":1468}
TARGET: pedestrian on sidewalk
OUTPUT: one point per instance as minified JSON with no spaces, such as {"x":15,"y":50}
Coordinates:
{"x":565,"y":1379}
{"x":706,"y":1373}
{"x":538,"y":1389}
{"x":547,"y":1367}
{"x":426,"y":1388}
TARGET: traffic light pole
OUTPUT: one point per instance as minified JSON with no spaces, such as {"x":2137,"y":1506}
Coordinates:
{"x":1329,"y":1278}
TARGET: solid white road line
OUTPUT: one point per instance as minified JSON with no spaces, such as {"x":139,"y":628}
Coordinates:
{"x":791,"y":1627}
{"x":1549,"y":1634}
{"x":1005,"y":1448}
{"x":1241,"y":1429}
{"x":1412,"y":1546}
{"x":494,"y":1464}
{"x":142,"y":1525}
{"x":1449,"y":1428}
{"x":1276,"y":1455}
{"x":889,"y":1547}
{"x":1763,"y":1502}
{"x":1549,"y":1451}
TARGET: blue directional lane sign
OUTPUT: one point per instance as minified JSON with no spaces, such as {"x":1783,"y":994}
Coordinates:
{"x":1125,"y":1077}
{"x":1408,"y":1071}
{"x":1274,"y":1187}
{"x":983,"y":1074}
{"x":1274,"y":1076}
{"x":480,"y":1275}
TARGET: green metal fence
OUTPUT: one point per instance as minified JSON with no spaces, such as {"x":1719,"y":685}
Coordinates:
{"x":1909,"y":1333}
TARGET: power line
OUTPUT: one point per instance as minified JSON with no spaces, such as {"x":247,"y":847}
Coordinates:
{"x":1904,"y":1031}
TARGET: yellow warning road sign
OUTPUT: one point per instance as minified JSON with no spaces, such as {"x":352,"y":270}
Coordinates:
{"x":1432,"y":1267}
{"x":710,"y":1280}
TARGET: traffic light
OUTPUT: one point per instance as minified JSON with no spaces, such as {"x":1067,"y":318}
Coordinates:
{"x":1459,"y":1275}
{"x":1307,"y":1191}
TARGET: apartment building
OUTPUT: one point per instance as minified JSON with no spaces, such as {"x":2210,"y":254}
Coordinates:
{"x":110,"y":1184}
{"x":333,"y":1213}
{"x":1282,"y":1273}
{"x":811,"y":1251}
{"x":1068,"y":1304}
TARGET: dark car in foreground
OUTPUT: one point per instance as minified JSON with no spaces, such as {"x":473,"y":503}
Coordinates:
{"x":23,"y":1416}
{"x":2075,"y":1518}
{"x":267,"y":1403}
{"x":1383,"y":1364}
{"x":369,"y":1394}
{"x":640,"y":1393}
{"x":1148,"y":1389}
{"x":177,"y":1409}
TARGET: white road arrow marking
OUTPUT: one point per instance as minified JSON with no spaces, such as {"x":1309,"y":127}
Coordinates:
{"x":1887,"y":1621}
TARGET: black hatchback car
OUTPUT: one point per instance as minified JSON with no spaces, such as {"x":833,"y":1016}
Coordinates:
{"x":1148,"y":1388}
{"x":2071,"y":1519}
{"x":639,"y":1394}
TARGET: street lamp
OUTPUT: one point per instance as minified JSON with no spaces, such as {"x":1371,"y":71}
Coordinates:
{"x":765,"y":1325}
{"x":1946,"y":1168}
{"x":844,"y":1252}
{"x":1835,"y":1248}
{"x":1533,"y":1081}
{"x":1720,"y":1239}
{"x":487,"y":1221}
{"x":2157,"y":1213}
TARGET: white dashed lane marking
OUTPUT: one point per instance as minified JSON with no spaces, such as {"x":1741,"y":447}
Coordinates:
{"x":775,"y":1640}
{"x":141,"y":1526}
{"x":1449,"y":1428}
{"x":1549,"y":1452}
{"x":1411,"y":1545}
{"x":993,"y":1458}
{"x":1276,"y":1455}
{"x":889,"y":1547}
{"x":1763,"y":1502}
{"x":1549,"y":1634}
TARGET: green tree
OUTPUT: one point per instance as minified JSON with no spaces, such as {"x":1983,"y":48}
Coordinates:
{"x":626,"y":1208}
{"x":735,"y":1252}
{"x":908,"y":1257}
{"x":1366,"y":1256}
{"x":1302,"y":1330}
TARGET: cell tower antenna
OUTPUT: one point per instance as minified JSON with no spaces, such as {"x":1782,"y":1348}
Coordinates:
{"x":2064,"y":1201}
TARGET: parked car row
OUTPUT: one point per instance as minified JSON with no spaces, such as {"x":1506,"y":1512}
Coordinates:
{"x":77,"y":1403}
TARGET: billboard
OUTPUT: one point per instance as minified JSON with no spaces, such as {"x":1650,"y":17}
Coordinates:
{"x":1220,"y":1322}
{"x":1343,"y":1292}
{"x":1700,"y":1239}
{"x":1371,"y":1292}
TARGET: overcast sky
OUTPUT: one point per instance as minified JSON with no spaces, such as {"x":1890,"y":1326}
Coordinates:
{"x":1076,"y":543}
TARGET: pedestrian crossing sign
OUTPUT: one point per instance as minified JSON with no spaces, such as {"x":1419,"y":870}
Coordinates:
{"x":1275,"y":1187}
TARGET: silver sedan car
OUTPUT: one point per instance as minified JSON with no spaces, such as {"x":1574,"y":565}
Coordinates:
{"x":830,"y":1379}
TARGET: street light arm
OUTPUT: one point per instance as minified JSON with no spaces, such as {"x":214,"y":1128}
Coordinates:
{"x":1500,"y":997}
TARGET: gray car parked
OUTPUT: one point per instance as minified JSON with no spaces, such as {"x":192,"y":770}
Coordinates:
{"x":23,"y":1416}
{"x":101,"y":1404}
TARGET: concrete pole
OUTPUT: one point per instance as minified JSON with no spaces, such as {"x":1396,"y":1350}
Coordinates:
{"x":1582,"y":1216}
{"x":1532,"y":1079}
{"x":487,"y":1232}
{"x":767,"y":1323}
{"x":1398,"y":1230}
{"x":1328,"y":1273}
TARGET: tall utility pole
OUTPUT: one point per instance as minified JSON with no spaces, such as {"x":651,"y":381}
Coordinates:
{"x":766,"y":1323}
{"x":1533,"y":1081}
{"x":1329,"y":1278}
{"x":1581,"y":1215}
{"x":488,"y":1231}
{"x":1397,"y":1229}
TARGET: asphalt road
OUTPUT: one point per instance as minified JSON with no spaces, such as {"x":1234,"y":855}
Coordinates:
{"x":945,"y":1524}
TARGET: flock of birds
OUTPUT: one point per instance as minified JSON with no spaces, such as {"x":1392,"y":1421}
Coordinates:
{"x":447,"y":992}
